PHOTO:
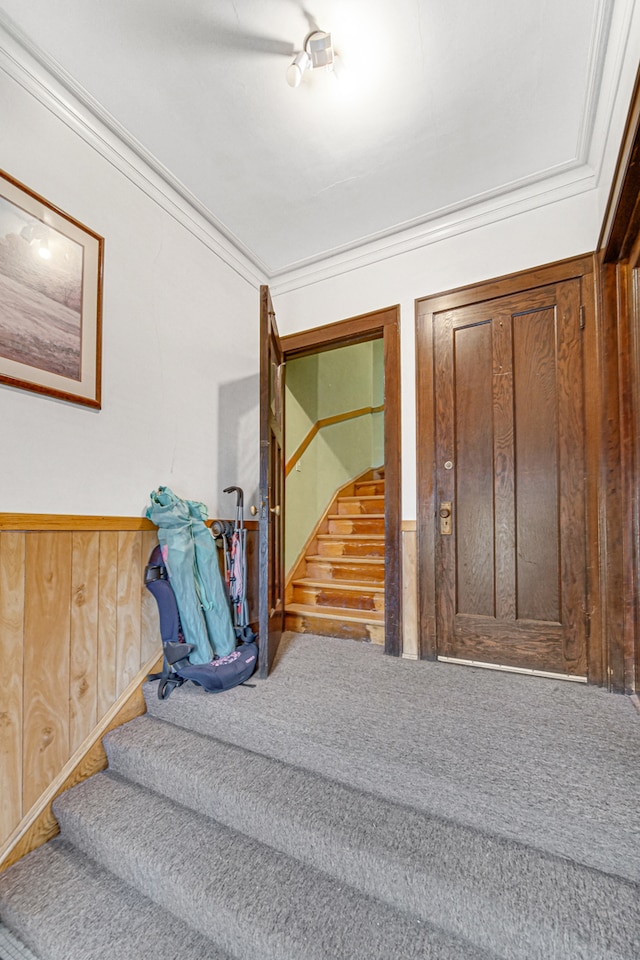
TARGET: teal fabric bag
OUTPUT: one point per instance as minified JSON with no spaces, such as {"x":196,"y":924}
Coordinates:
{"x":191,"y":557}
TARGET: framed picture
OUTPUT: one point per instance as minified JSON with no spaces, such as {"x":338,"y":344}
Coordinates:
{"x":50,"y":298}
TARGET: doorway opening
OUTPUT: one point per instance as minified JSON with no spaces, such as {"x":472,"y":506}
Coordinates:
{"x":334,"y":521}
{"x":379,"y":331}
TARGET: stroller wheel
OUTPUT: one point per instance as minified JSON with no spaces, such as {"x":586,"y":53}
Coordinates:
{"x":165,"y":688}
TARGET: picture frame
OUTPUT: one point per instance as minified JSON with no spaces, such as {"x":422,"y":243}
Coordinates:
{"x":50,"y":298}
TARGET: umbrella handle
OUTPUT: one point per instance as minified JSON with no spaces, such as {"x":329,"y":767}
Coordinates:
{"x":239,"y":497}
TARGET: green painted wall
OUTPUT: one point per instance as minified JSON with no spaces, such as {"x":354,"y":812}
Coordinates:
{"x":319,"y":386}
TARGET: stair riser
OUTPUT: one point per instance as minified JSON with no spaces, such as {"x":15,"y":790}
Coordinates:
{"x":361,"y":505}
{"x":339,"y":598}
{"x":345,"y":629}
{"x":325,"y":570}
{"x":347,"y":548}
{"x":371,"y":488}
{"x":357,"y":526}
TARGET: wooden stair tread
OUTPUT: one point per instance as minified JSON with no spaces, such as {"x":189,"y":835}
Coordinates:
{"x":339,"y":589}
{"x":352,"y":536}
{"x":351,"y":585}
{"x":335,"y":613}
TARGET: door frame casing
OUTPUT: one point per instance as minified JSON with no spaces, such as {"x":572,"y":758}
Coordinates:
{"x":619,"y":303}
{"x":575,"y":268}
{"x":383,"y":324}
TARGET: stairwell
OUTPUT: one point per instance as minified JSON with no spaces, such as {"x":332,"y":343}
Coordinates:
{"x":386,"y":810}
{"x":338,"y":588}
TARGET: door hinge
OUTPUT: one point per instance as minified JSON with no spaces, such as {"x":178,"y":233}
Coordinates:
{"x":582,"y":317}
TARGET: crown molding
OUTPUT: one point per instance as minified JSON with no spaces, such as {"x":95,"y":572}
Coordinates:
{"x":44,"y":78}
{"x":461,"y":219}
{"x":597,"y":56}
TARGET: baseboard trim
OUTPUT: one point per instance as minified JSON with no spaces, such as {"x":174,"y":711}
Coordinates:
{"x":506,"y":669}
{"x":39,"y":825}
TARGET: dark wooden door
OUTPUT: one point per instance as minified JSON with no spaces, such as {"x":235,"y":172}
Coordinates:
{"x":511,"y":573}
{"x":271,"y":512}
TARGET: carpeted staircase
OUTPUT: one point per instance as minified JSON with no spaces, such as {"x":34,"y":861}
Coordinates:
{"x":306,"y":818}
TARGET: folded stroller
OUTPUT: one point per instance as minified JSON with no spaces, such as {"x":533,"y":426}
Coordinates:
{"x":219,"y":674}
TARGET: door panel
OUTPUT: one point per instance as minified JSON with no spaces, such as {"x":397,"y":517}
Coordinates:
{"x":271,"y":512}
{"x":509,"y":459}
{"x":536,"y":466}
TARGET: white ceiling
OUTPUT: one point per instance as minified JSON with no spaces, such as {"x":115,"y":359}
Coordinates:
{"x":441,"y":104}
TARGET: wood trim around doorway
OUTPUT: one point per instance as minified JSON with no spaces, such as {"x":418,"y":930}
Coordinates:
{"x":371,"y":326}
{"x":619,"y":305}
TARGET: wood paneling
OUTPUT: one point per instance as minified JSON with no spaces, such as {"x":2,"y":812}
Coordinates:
{"x":471,"y":451}
{"x":618,"y":381}
{"x":107,"y":620}
{"x":150,"y":620}
{"x":40,"y":825}
{"x":12,"y":567}
{"x":47,"y":634}
{"x":76,"y":625}
{"x":83,"y":665}
{"x":129,"y":598}
{"x":411,"y":631}
{"x":536,"y":465}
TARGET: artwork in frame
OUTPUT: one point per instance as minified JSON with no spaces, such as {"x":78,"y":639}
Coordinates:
{"x":50,"y":298}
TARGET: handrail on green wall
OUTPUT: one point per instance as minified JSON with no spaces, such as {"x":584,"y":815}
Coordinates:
{"x":326,"y":422}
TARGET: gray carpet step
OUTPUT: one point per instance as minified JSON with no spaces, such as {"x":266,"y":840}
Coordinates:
{"x":550,"y":764}
{"x":507,"y":897}
{"x":63,"y":906}
{"x":247,"y":898}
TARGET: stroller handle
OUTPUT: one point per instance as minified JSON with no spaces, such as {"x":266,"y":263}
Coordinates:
{"x":239,"y":492}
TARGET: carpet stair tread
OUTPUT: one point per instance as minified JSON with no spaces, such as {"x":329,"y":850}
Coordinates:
{"x":425,"y":735}
{"x":248,"y":898}
{"x":507,"y":896}
{"x":63,"y":906}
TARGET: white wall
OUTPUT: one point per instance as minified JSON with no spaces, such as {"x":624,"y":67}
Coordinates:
{"x":180,"y":347}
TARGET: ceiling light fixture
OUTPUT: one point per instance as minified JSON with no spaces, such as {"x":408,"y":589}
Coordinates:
{"x":317,"y":52}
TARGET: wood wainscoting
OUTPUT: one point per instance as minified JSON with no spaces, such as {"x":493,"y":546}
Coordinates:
{"x":77,"y":633}
{"x":410,"y":625}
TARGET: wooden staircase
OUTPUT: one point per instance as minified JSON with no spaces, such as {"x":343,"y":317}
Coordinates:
{"x":337,"y":588}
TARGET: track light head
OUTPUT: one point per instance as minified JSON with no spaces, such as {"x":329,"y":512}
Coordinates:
{"x":318,"y":46}
{"x":317,"y":52}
